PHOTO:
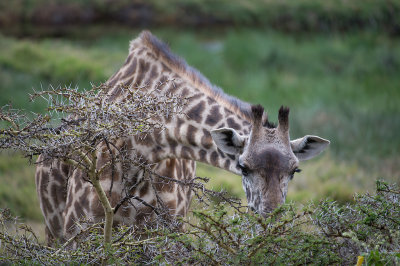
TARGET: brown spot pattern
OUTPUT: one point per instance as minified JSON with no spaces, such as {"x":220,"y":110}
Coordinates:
{"x":179,"y":123}
{"x":114,"y":79}
{"x":214,"y":157}
{"x":55,"y":224}
{"x":70,"y":226}
{"x":187,"y":153}
{"x":214,"y":117}
{"x":130,"y":70}
{"x":203,"y":155}
{"x":78,"y":209}
{"x":233,"y":124}
{"x":84,"y":198}
{"x":144,"y":189}
{"x":191,"y":135}
{"x":172,"y":144}
{"x":185,"y":92}
{"x":195,"y":113}
{"x":154,"y":74}
{"x":142,"y":71}
{"x":206,"y":140}
{"x":227,"y":164}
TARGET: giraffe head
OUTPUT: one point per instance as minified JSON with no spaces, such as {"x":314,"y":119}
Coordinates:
{"x":267,"y":158}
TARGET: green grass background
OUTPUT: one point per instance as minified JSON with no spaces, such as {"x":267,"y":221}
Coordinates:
{"x":343,"y":86}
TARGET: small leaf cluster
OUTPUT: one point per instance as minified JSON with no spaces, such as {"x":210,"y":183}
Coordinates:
{"x":370,"y":226}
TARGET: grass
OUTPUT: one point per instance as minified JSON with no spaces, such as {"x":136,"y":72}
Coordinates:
{"x":343,"y":87}
{"x":17,"y":190}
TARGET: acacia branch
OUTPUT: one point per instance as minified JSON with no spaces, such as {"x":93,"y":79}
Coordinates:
{"x":129,"y":197}
{"x":108,"y":210}
{"x":78,"y":121}
{"x":75,"y":164}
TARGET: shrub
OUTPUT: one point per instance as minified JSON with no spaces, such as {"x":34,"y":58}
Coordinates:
{"x":325,"y":233}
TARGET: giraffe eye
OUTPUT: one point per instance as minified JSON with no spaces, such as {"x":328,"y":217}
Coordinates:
{"x":244,"y":169}
{"x":296,"y":170}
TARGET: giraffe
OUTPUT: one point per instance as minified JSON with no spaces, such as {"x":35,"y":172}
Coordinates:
{"x":217,"y":129}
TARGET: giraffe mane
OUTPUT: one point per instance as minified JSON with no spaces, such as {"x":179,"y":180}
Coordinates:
{"x":163,"y":52}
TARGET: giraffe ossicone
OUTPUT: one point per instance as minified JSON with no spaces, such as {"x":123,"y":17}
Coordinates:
{"x":217,"y":129}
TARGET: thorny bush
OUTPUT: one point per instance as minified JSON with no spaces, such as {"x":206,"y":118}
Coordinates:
{"x":219,"y":231}
{"x":79,"y":123}
{"x":324,"y":233}
{"x":79,"y":120}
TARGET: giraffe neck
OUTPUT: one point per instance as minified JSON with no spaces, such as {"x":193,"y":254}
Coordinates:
{"x":188,"y":136}
{"x":151,"y":66}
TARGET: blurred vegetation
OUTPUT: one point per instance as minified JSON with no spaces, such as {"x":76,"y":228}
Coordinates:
{"x":17,"y":189}
{"x":335,"y":63}
{"x":302,"y":15}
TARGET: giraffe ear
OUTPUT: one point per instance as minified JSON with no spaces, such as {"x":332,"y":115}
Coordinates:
{"x":228,"y":140}
{"x":308,"y":147}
